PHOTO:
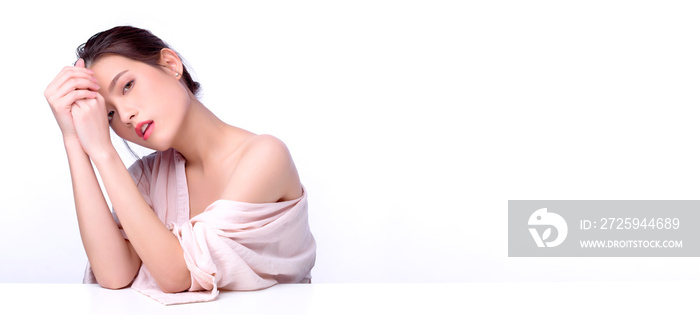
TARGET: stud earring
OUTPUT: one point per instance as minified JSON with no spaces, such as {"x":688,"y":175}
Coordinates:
{"x":177,"y":74}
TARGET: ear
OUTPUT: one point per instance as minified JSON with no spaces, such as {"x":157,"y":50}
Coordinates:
{"x":171,"y":61}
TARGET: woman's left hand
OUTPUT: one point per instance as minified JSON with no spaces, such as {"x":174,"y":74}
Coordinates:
{"x":92,"y":125}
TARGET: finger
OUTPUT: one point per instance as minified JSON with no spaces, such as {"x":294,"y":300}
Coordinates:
{"x":69,"y":71}
{"x":72,"y":69}
{"x":65,"y":75}
{"x":76,"y":84}
{"x":74,"y":72}
{"x":66,"y":96}
{"x":99,"y":98}
{"x":74,"y":112}
{"x":78,"y":106}
{"x":79,"y":95}
{"x":81,"y":65}
{"x":72,"y":98}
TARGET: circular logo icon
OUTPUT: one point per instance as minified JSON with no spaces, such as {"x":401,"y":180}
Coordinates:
{"x":551,"y":220}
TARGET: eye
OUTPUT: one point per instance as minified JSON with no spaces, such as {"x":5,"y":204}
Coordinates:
{"x":128,"y":87}
{"x":110,"y":115}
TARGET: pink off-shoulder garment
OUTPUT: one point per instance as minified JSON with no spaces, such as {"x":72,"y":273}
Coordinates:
{"x":231,"y":245}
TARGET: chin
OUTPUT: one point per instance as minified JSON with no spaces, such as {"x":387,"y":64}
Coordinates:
{"x":156,"y":146}
{"x":153,"y":143}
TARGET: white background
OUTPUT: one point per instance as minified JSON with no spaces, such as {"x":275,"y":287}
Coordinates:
{"x":412,"y":123}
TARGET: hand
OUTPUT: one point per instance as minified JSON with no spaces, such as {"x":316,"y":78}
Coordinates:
{"x":91,"y":125}
{"x":71,"y":84}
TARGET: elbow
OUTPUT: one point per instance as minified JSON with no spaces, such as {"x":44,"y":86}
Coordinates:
{"x":114,"y":283}
{"x":174,"y":287}
{"x":175,"y":284}
{"x":116,"y":279}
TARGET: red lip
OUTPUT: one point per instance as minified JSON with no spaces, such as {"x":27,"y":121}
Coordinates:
{"x":147,"y":132}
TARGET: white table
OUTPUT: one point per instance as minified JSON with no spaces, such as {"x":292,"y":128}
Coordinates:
{"x":458,"y":298}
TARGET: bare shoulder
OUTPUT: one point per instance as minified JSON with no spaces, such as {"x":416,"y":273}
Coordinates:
{"x":264,"y":173}
{"x":266,"y":147}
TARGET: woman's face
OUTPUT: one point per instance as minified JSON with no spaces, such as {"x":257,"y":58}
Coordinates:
{"x":146,"y":105}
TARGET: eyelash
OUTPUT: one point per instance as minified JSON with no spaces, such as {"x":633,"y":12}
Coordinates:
{"x":128,"y":87}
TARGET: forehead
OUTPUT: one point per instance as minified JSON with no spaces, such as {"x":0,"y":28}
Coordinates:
{"x":108,"y":66}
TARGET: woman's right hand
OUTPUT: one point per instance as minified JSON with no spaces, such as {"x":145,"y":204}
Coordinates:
{"x":71,"y":84}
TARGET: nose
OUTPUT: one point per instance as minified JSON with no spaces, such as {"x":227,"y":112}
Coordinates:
{"x":127,"y":116}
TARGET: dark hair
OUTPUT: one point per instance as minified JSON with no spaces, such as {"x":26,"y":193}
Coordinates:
{"x":133,"y":43}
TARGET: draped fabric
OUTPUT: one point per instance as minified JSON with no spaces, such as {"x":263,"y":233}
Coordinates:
{"x":232,"y":245}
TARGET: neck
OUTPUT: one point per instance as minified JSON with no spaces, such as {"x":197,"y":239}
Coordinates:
{"x":202,"y":137}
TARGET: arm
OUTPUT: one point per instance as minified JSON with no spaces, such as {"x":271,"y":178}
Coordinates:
{"x":158,"y":247}
{"x":155,"y":245}
{"x":265,"y":173}
{"x":113,"y":260}
{"x":81,"y":116}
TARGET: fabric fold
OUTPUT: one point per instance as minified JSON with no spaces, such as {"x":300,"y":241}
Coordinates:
{"x":231,"y":245}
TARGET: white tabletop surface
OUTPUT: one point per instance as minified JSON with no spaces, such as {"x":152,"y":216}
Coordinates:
{"x":457,"y":298}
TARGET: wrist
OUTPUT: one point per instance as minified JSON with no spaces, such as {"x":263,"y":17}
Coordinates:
{"x":72,"y":142}
{"x":104,"y":155}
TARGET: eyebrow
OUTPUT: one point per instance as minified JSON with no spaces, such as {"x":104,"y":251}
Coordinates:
{"x":114,"y":81}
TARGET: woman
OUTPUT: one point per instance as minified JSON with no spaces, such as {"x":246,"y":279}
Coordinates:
{"x":214,"y":207}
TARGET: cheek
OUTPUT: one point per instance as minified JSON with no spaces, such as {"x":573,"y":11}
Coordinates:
{"x":122,"y":131}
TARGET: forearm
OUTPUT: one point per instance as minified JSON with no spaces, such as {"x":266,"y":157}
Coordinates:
{"x":157,"y":247}
{"x":113,"y":261}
